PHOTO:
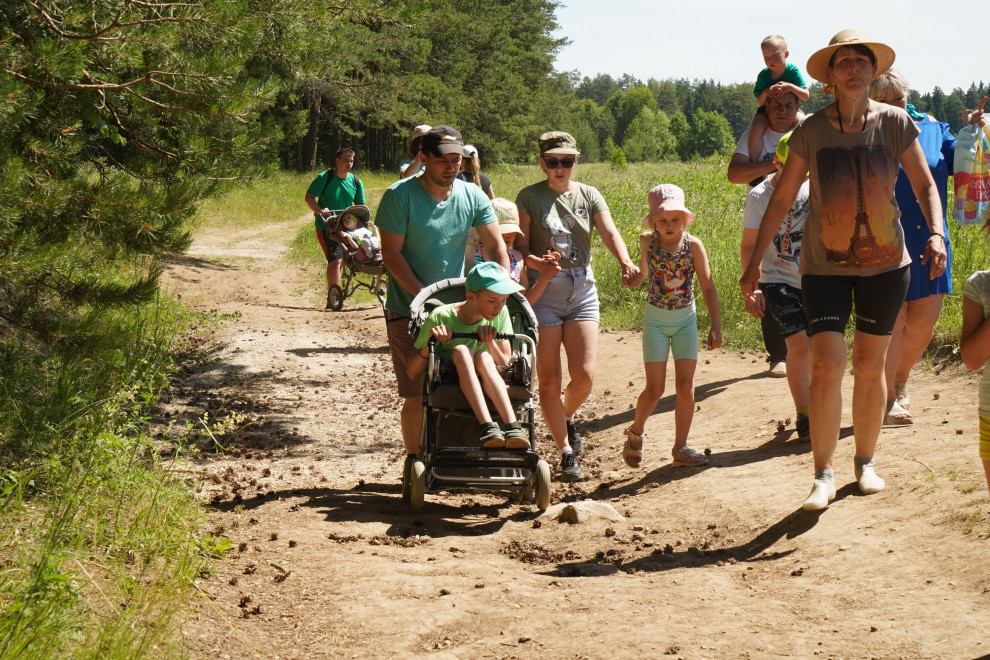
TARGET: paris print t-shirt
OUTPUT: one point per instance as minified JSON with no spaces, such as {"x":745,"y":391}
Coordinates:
{"x":853,"y":225}
{"x":561,"y":223}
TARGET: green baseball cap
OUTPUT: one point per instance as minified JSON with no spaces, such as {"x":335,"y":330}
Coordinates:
{"x":491,"y":276}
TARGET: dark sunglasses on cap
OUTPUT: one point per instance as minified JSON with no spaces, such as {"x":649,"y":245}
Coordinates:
{"x":553,"y":163}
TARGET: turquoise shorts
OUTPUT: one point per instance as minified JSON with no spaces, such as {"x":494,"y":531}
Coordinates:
{"x":670,"y":330}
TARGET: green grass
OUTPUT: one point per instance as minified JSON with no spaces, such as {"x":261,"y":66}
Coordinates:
{"x":98,"y":534}
{"x":717,"y":204}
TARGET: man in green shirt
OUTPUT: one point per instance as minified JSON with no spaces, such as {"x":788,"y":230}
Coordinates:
{"x":424,"y":222}
{"x":333,"y":191}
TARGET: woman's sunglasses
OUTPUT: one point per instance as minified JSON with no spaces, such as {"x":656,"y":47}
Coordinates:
{"x":553,"y":163}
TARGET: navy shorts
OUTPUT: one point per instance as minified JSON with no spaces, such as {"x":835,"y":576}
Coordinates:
{"x":828,"y":301}
{"x":785,"y":305}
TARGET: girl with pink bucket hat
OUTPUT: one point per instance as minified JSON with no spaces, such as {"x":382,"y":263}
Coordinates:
{"x":670,"y":257}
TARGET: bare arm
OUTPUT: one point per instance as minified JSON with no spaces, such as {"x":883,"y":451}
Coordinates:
{"x":707,"y":284}
{"x":755,"y":304}
{"x":742,"y":170}
{"x":413,"y":167}
{"x":916,"y":168}
{"x":313,"y":205}
{"x":398,"y":268}
{"x":491,"y":238}
{"x":616,"y":246}
{"x":974,"y":340}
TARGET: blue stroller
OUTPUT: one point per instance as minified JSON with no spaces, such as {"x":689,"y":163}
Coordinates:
{"x":450,"y":454}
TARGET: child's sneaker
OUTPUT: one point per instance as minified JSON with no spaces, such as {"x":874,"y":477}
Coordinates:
{"x":516,"y":436}
{"x":491,"y":436}
{"x":569,"y":468}
{"x":803,"y":427}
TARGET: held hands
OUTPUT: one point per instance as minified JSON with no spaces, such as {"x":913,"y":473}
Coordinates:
{"x":755,"y":303}
{"x":750,"y":282}
{"x":631,"y":276}
{"x":548,"y":265}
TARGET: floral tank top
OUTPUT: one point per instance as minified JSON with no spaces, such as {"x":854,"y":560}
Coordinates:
{"x":671,"y":275}
{"x":514,"y":263}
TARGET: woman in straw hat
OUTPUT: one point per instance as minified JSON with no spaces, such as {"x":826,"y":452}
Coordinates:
{"x":853,"y":248}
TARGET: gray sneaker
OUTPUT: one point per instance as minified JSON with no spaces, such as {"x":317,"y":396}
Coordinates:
{"x":569,"y":468}
{"x":574,"y":438}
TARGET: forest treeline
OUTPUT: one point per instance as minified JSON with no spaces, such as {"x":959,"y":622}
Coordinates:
{"x":116,"y":117}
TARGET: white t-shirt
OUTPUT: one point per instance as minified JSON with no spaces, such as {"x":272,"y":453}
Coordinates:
{"x":781,"y":260}
{"x":770,"y":140}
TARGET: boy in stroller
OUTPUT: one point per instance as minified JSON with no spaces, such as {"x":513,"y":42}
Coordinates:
{"x":477,"y":361}
{"x":359,"y":240}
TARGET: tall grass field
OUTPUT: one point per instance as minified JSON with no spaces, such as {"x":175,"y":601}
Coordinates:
{"x":717,"y":205}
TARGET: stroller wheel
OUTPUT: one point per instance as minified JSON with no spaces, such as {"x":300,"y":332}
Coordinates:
{"x":542,"y":485}
{"x":417,"y":486}
{"x":335,"y":298}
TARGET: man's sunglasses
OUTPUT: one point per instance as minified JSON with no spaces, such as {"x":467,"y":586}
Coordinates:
{"x":553,"y":163}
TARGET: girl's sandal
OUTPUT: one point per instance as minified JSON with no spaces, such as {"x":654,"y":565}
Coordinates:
{"x":632,"y":451}
{"x":688,"y":457}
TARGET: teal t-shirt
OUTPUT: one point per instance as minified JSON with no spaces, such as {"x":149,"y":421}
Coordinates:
{"x":791,"y":74}
{"x":446,"y":315}
{"x":435,"y":233}
{"x":336,"y":194}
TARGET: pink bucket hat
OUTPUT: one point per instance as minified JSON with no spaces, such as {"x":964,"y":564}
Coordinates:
{"x":666,"y":198}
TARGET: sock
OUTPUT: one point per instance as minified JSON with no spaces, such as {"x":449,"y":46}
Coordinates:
{"x":863,"y":462}
{"x":825,"y":475}
{"x":802,"y":411}
{"x":565,"y":450}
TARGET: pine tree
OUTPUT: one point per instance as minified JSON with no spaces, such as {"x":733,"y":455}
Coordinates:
{"x":116,"y":118}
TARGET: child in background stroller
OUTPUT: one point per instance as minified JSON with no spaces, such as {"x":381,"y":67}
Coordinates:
{"x":353,"y":228}
{"x":461,"y":445}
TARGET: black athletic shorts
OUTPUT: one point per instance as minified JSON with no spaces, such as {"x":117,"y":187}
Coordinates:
{"x":330,"y":247}
{"x":828,"y":301}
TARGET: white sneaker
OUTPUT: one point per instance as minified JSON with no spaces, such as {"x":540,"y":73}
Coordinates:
{"x":778,"y":369}
{"x":822,"y":493}
{"x":868,"y":480}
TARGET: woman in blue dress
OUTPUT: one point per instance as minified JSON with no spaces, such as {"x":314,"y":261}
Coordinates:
{"x":923,"y":303}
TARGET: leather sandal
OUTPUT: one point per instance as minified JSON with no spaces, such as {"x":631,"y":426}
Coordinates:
{"x":688,"y":457}
{"x":632,"y":451}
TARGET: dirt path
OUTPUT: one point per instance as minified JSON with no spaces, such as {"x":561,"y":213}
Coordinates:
{"x":708,"y":563}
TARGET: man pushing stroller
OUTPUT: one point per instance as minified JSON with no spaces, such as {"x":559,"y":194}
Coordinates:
{"x":477,"y":360}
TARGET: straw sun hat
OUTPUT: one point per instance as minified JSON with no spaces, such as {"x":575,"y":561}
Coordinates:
{"x":818,"y":63}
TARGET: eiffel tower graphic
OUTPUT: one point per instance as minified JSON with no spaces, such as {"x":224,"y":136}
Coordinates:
{"x":861,"y":245}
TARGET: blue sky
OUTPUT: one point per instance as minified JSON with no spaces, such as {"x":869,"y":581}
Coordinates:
{"x":720,"y":39}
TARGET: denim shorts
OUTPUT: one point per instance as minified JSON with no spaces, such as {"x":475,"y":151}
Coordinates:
{"x":570,"y":296}
{"x":785,"y":305}
{"x":670,"y":330}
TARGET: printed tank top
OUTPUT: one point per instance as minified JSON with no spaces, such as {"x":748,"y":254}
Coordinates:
{"x":671,"y":275}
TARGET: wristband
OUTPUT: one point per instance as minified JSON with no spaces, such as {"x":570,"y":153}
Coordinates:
{"x":939,"y":234}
